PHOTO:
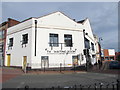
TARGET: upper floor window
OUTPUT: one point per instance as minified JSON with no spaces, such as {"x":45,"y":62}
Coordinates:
{"x":1,"y":46}
{"x":10,"y":42}
{"x":87,"y":43}
{"x":53,"y":40}
{"x":2,"y":32}
{"x":92,"y":45}
{"x":24,"y":38}
{"x":68,"y":40}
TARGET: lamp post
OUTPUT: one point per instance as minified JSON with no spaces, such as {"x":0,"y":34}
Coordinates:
{"x":100,"y":39}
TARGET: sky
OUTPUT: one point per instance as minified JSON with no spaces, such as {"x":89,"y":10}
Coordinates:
{"x":103,"y":16}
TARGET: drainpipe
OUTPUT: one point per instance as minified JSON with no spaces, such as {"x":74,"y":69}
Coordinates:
{"x":35,"y":35}
{"x":84,"y":48}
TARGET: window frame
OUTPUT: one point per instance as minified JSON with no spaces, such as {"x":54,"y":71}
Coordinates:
{"x":25,"y":41}
{"x":53,"y":40}
{"x":88,"y":47}
{"x":67,"y":38}
{"x":92,"y":46}
{"x":11,"y":40}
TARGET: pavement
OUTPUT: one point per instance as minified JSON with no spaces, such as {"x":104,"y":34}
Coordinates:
{"x":8,"y":73}
{"x":15,"y":78}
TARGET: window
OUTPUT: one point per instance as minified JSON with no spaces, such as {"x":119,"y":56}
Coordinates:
{"x":92,"y":45}
{"x":25,"y":39}
{"x":111,"y":58}
{"x":1,"y":47}
{"x":54,"y":40}
{"x":68,"y":40}
{"x":106,"y":58}
{"x":87,"y":45}
{"x":10,"y":42}
{"x":2,"y":32}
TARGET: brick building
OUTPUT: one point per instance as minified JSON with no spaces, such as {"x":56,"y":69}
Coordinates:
{"x":108,"y":54}
{"x":3,"y":32}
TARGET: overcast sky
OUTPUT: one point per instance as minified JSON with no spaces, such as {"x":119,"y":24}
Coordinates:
{"x":103,"y":15}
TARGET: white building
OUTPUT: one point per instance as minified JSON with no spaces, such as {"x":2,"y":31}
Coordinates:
{"x":98,"y":47}
{"x":48,"y":41}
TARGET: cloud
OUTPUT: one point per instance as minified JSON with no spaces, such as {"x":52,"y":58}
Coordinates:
{"x":103,"y":15}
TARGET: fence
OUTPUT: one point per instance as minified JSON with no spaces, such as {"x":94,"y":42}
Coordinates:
{"x":60,"y":68}
{"x":95,"y":86}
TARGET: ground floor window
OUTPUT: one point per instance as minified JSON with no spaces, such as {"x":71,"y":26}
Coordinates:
{"x":111,"y":58}
{"x":44,"y":61}
{"x":106,"y":58}
{"x":102,"y":58}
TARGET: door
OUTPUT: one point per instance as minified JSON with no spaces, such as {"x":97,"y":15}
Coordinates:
{"x":44,"y":62}
{"x":24,"y":62}
{"x":75,"y":60}
{"x":8,"y":59}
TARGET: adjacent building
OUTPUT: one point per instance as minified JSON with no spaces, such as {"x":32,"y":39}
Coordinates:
{"x":50,"y":41}
{"x":108,"y":54}
{"x":3,"y":31}
{"x":98,"y":48}
{"x":117,"y":56}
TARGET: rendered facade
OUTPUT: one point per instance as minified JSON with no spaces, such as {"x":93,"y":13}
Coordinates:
{"x":50,"y":41}
{"x":3,"y":31}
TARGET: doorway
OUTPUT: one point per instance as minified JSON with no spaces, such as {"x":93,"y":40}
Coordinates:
{"x":8,"y":59}
{"x":44,"y":62}
{"x":75,"y":60}
{"x":24,"y":62}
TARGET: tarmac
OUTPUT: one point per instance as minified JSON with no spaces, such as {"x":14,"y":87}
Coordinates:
{"x":8,"y":73}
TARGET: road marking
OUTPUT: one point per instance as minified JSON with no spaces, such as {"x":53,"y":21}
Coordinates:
{"x":21,"y":84}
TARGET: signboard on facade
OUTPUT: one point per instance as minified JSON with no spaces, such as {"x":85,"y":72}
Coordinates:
{"x":61,"y":51}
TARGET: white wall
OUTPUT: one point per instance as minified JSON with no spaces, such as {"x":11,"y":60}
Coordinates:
{"x":42,"y":44}
{"x":56,"y":23}
{"x":17,"y":52}
{"x":111,"y":52}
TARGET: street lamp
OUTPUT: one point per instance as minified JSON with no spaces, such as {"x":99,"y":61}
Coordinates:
{"x":100,"y":39}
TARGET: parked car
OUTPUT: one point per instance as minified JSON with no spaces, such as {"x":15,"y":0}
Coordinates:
{"x":114,"y":65}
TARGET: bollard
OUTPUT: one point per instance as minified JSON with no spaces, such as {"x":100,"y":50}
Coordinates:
{"x":89,"y":87}
{"x":52,"y":88}
{"x":75,"y":87}
{"x":101,"y":84}
{"x":113,"y":86}
{"x":95,"y":86}
{"x":80,"y":87}
{"x":60,"y":66}
{"x":58,"y":87}
{"x":118,"y":83}
{"x":44,"y":67}
{"x":26,"y":87}
{"x":107,"y":86}
{"x":74,"y":67}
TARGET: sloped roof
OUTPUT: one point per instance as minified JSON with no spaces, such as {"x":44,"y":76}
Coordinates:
{"x":81,"y":21}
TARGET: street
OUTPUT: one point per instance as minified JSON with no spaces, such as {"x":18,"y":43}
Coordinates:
{"x":59,"y":79}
